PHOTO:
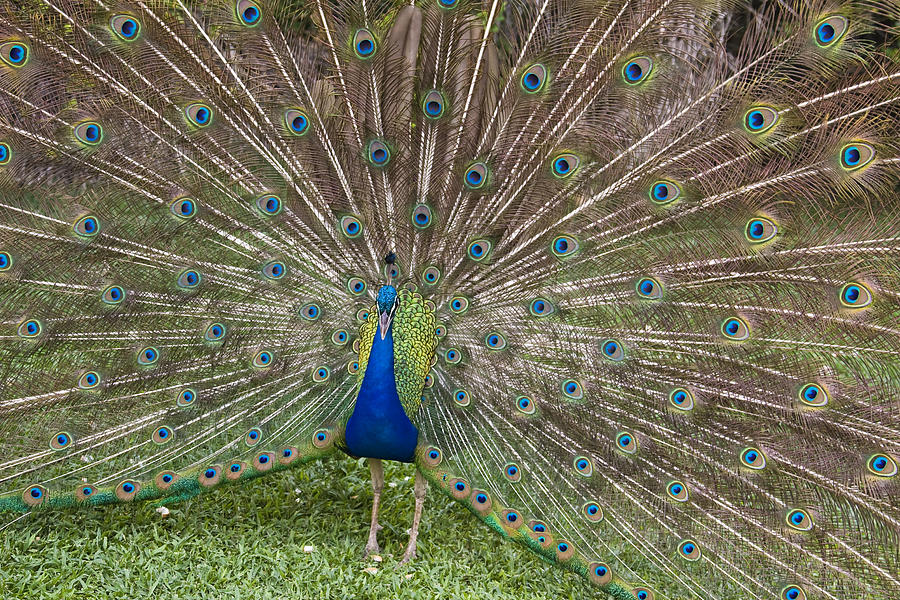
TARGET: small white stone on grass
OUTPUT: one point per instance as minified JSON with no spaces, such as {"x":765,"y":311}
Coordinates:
{"x":163,"y":511}
{"x":309,"y":548}
{"x":376,"y":557}
{"x":371,"y":570}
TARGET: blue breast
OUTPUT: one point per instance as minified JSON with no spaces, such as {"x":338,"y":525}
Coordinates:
{"x":378,"y":427}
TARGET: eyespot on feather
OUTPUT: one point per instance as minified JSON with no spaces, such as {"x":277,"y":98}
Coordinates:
{"x":89,"y":133}
{"x":14,"y":53}
{"x":637,"y":70}
{"x":364,"y":44}
{"x":125,"y":26}
{"x":199,"y":114}
{"x":830,"y":30}
{"x":533,"y":78}
{"x":248,"y":13}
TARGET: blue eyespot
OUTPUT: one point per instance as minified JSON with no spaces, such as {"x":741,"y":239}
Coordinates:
{"x":186,"y":397}
{"x":364,"y":43}
{"x":87,"y":227}
{"x":378,"y":152}
{"x":274,"y":270}
{"x":855,"y":295}
{"x":262,"y":359}
{"x":565,"y":165}
{"x":525,"y":405}
{"x":5,"y":153}
{"x":215,"y":332}
{"x":626,"y":442}
{"x":421,"y":216}
{"x":351,"y":226}
{"x":793,"y":592}
{"x":760,"y":229}
{"x":583,"y":466}
{"x":799,"y":519}
{"x":162,"y":435}
{"x":856,"y":155}
{"x":321,"y":374}
{"x":322,"y":438}
{"x":682,"y":399}
{"x":613,"y":350}
{"x":476,"y":175}
{"x":30,"y":328}
{"x":760,"y":119}
{"x":452,"y":356}
{"x":235,"y":468}
{"x":36,"y":493}
{"x":89,"y":380}
{"x":433,"y":104}
{"x":269,"y":205}
{"x":183,"y":208}
{"x":431,"y":275}
{"x":248,"y":12}
{"x":512,"y":516}
{"x":252,"y":437}
{"x":296,"y":120}
{"x":592,"y":512}
{"x":199,"y":114}
{"x":564,"y":245}
{"x":340,"y":337}
{"x":60,"y":441}
{"x":447,"y":3}
{"x":495,"y":340}
{"x":512,"y":472}
{"x":209,"y":473}
{"x":541,"y":307}
{"x":533,"y":78}
{"x":637,"y":70}
{"x":125,"y":27}
{"x":458,"y":304}
{"x":148,"y":356}
{"x":664,"y":192}
{"x":479,"y":249}
{"x":188,"y":279}
{"x":689,"y":550}
{"x":572,"y":389}
{"x":128,"y":487}
{"x":812,"y":394}
{"x":753,"y":458}
{"x":14,"y":54}
{"x":310,"y":312}
{"x":830,"y":30}
{"x":6,"y":261}
{"x":461,"y":397}
{"x":677,"y":491}
{"x":735,"y":329}
{"x":882,"y":465}
{"x":649,"y":288}
{"x":601,"y":574}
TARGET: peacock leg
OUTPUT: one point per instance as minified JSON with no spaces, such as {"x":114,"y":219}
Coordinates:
{"x":377,"y":485}
{"x":421,"y":486}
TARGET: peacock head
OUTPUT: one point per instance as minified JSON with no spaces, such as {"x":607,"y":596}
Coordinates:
{"x":387,"y":305}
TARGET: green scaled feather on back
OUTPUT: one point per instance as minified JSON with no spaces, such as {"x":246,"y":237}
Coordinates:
{"x":659,"y":238}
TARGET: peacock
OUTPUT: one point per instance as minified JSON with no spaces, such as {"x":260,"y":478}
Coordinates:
{"x":621,"y":277}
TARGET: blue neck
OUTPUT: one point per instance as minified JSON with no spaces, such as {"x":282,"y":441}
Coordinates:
{"x":378,"y":427}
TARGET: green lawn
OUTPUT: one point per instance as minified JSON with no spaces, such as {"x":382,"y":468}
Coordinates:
{"x":248,"y":542}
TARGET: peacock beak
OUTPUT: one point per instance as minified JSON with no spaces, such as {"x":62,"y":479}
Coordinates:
{"x":384,"y":320}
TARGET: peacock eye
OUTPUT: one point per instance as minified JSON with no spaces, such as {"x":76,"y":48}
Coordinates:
{"x":592,"y":511}
{"x":252,"y":437}
{"x":433,"y":104}
{"x":296,"y":120}
{"x":364,"y":43}
{"x":525,"y":405}
{"x":321,"y":374}
{"x":447,"y":3}
{"x":189,"y":279}
{"x":856,"y":155}
{"x":114,"y":294}
{"x":391,"y":271}
{"x":664,"y":192}
{"x":637,"y":70}
{"x":600,"y":574}
{"x":830,"y":30}
{"x":87,"y":226}
{"x":310,"y":312}
{"x":760,"y":119}
{"x":882,"y":465}
{"x":572,"y":389}
{"x":626,"y":442}
{"x":199,"y":114}
{"x":649,"y":288}
{"x":476,"y":175}
{"x":162,"y":435}
{"x":431,"y":275}
{"x":760,"y":229}
{"x":613,"y":350}
{"x":322,"y":438}
{"x":351,"y":226}
{"x":5,"y":153}
{"x":583,"y":466}
{"x":512,"y":472}
{"x":799,"y":519}
{"x":89,"y":380}
{"x":421,"y":216}
{"x":440,"y":331}
{"x":452,"y":356}
{"x":495,"y":340}
{"x":186,"y":397}
{"x":353,"y":367}
{"x":753,"y":458}
{"x":564,"y":245}
{"x":356,"y":286}
{"x":6,"y":261}
{"x":30,"y":328}
{"x":340,"y":337}
{"x":263,"y":359}
{"x":793,"y":592}
{"x":689,"y":550}
{"x":812,"y":394}
{"x":677,"y":491}
{"x":125,"y":26}
{"x":855,"y":295}
{"x":269,"y":205}
{"x":541,"y":307}
{"x":214,"y":332}
{"x":148,"y":356}
{"x":735,"y":329}
{"x":458,"y":304}
{"x":565,"y":165}
{"x":461,"y":397}
{"x":60,"y":441}
{"x":682,"y":399}
{"x":479,"y":249}
{"x":14,"y":54}
{"x":534,"y":78}
{"x":248,"y":12}
{"x":183,"y":208}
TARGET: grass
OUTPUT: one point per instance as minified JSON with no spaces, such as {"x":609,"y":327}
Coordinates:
{"x":248,"y":542}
